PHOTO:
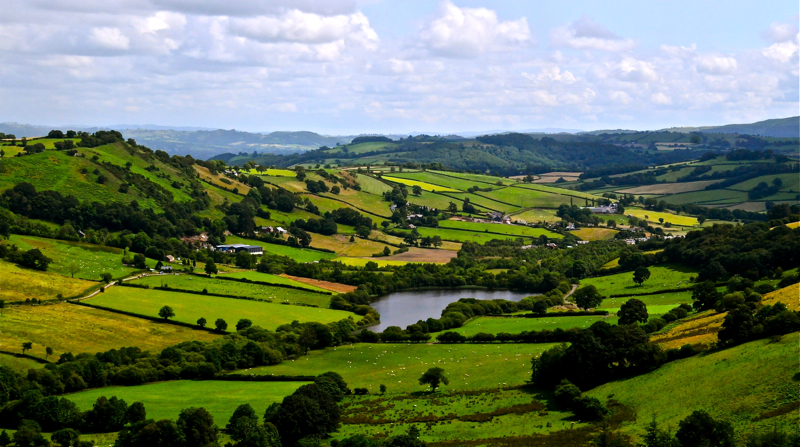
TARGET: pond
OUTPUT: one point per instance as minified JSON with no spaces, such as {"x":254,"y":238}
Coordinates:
{"x":404,"y":308}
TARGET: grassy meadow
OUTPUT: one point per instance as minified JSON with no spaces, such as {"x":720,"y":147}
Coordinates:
{"x":511,"y":230}
{"x":71,"y":328}
{"x":653,"y":216}
{"x":298,"y":254}
{"x":594,"y":234}
{"x":19,"y":364}
{"x":189,"y":307}
{"x":665,"y":276}
{"x":272,"y":279}
{"x":361,"y":262}
{"x":495,"y":325}
{"x":425,"y":186}
{"x":19,"y":283}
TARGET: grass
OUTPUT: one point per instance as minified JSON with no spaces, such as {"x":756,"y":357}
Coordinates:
{"x":274,"y":172}
{"x":653,"y":216}
{"x":19,"y":284}
{"x":438,"y":179}
{"x":510,"y":230}
{"x":92,"y":259}
{"x":524,"y":198}
{"x":464,"y":236}
{"x":594,"y":234}
{"x":360,"y":200}
{"x":361,"y":262}
{"x":71,"y":328}
{"x":370,"y":185}
{"x":272,"y":279}
{"x":495,"y":325}
{"x":667,"y":276}
{"x":710,"y":382}
{"x":668,"y":188}
{"x":536,"y":215}
{"x":19,"y":364}
{"x":656,"y":304}
{"x":423,"y":185}
{"x":341,"y":244}
{"x":298,"y":254}
{"x":165,"y":400}
{"x":49,"y":143}
{"x":719,"y":196}
{"x":189,"y":307}
{"x":400,"y":365}
{"x":215,"y":285}
{"x":790,"y":182}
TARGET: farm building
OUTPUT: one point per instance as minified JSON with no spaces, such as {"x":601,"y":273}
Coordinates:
{"x":612,"y":209}
{"x":252,"y":249}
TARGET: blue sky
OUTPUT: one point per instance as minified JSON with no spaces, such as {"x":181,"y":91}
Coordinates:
{"x":346,"y":67}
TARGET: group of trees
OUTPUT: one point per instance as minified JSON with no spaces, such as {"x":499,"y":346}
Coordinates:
{"x":32,"y":258}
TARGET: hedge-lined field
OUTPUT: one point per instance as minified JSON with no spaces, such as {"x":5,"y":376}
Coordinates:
{"x":272,"y":279}
{"x":496,"y":325}
{"x":662,"y":277}
{"x":19,"y":284}
{"x":511,"y":230}
{"x":425,"y":186}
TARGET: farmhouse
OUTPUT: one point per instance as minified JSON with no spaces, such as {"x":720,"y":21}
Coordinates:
{"x":603,"y":209}
{"x":236,"y":248}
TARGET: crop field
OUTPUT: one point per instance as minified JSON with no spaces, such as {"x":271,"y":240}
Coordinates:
{"x":274,"y":172}
{"x":708,"y":382}
{"x":415,"y":254}
{"x":19,"y":284}
{"x":444,"y":180}
{"x":399,"y":365}
{"x":190,"y":307}
{"x":496,"y":325}
{"x":556,"y":190}
{"x":340,"y":243}
{"x":594,"y":234}
{"x":71,"y":328}
{"x":326,"y":204}
{"x":666,"y":276}
{"x":92,"y":259}
{"x":220,"y":286}
{"x":653,"y":216}
{"x":717,"y":196}
{"x":361,"y":262}
{"x":359,"y":200}
{"x":481,"y":201}
{"x":793,"y":225}
{"x":423,"y":185}
{"x":324,"y":285}
{"x":371,"y":185}
{"x":669,"y":188}
{"x":272,"y":279}
{"x":165,"y":400}
{"x":298,"y":254}
{"x":510,"y":230}
{"x":19,"y":364}
{"x":291,"y":183}
{"x":488,"y":179}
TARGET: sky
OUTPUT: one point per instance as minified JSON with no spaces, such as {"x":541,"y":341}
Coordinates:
{"x":345,"y":67}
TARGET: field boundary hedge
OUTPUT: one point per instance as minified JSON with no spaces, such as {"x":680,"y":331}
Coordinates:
{"x":262,"y":378}
{"x":680,"y":289}
{"x":25,"y":356}
{"x":147,"y":317}
{"x":263,"y":283}
{"x":582,"y":313}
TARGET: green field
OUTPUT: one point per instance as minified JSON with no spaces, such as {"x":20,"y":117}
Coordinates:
{"x":594,"y":234}
{"x":298,"y":254}
{"x":361,"y":262}
{"x":653,"y":216}
{"x":272,"y":279}
{"x":363,"y":202}
{"x":536,"y":215}
{"x":655,"y":303}
{"x":438,"y":179}
{"x":49,"y":142}
{"x":667,"y":276}
{"x":790,"y":182}
{"x":510,"y":230}
{"x":496,"y":325}
{"x":738,"y":384}
{"x":399,"y":365}
{"x":19,"y":284}
{"x":92,"y":259}
{"x":19,"y":364}
{"x":214,"y":285}
{"x":464,"y":236}
{"x":423,"y":185}
{"x":165,"y":400}
{"x":526,"y":198}
{"x":488,"y":179}
{"x":274,"y":172}
{"x":190,"y":307}
{"x":371,"y":185}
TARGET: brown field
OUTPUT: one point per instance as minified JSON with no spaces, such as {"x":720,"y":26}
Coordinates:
{"x":72,"y":328}
{"x":423,"y":255}
{"x":669,"y":188}
{"x":332,"y":286}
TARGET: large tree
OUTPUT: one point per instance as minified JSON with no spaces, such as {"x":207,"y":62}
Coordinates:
{"x":632,"y":311}
{"x":587,"y":297}
{"x":640,"y":275}
{"x":434,"y":377}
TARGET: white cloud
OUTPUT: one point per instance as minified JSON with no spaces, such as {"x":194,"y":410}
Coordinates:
{"x":552,"y":74}
{"x":468,"y":32}
{"x":635,"y":70}
{"x":111,"y":38}
{"x":302,"y":27}
{"x":715,"y":64}
{"x":586,"y":34}
{"x":781,"y":32}
{"x":621,"y":97}
{"x":783,"y":51}
{"x":660,"y":98}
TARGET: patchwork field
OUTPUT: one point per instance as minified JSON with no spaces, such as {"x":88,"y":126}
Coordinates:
{"x":189,"y":308}
{"x":340,"y":243}
{"x":707,"y":382}
{"x":467,"y":236}
{"x":71,"y":328}
{"x":423,"y":185}
{"x":653,"y":216}
{"x":661,"y":277}
{"x":361,"y":262}
{"x":594,"y":234}
{"x":669,"y":188}
{"x":165,"y":400}
{"x":656,"y":304}
{"x":19,"y":284}
{"x":536,"y":215}
{"x":398,"y":366}
{"x":220,"y":286}
{"x":272,"y":279}
{"x":323,"y":285}
{"x":19,"y":364}
{"x":510,"y":230}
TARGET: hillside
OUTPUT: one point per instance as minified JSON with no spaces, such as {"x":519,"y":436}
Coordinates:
{"x":783,"y":127}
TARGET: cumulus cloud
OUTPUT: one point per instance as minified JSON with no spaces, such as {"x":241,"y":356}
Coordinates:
{"x":303,"y":27}
{"x":468,"y":32}
{"x":586,"y":34}
{"x":111,"y":38}
{"x":660,"y":98}
{"x":781,"y":32}
{"x":635,"y":70}
{"x":716,"y":64}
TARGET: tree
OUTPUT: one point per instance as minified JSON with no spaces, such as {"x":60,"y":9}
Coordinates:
{"x":416,"y":190}
{"x":202,"y":322}
{"x":335,"y":189}
{"x":308,"y":412}
{"x":243,"y":422}
{"x":705,"y":296}
{"x":434,"y":377}
{"x":632,"y":311}
{"x":640,"y":275}
{"x":136,"y":413}
{"x":166,"y":313}
{"x":452,"y":208}
{"x":211,"y":268}
{"x":35,"y":259}
{"x":700,"y":219}
{"x":198,"y":427}
{"x":29,"y":434}
{"x":72,"y":269}
{"x":244,"y":323}
{"x":387,"y":251}
{"x":244,"y":260}
{"x":220,"y":324}
{"x":26,"y":346}
{"x":383,"y":389}
{"x":587,"y":297}
{"x":106,"y":277}
{"x":48,"y":352}
{"x":699,"y":429}
{"x":66,"y":437}
{"x":2,"y":306}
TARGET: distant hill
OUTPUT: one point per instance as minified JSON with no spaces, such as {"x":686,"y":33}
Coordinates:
{"x":779,"y":127}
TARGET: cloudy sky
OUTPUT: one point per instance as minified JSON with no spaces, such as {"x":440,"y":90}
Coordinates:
{"x":349,"y":66}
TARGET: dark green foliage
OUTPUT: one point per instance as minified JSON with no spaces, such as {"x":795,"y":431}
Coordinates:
{"x":66,"y":437}
{"x":29,"y":434}
{"x":198,"y":428}
{"x":244,"y":323}
{"x":434,"y":377}
{"x":587,"y":297}
{"x":149,"y":433}
{"x":34,"y":259}
{"x":309,"y":412}
{"x":701,"y":430}
{"x":632,"y":311}
{"x":5,"y":440}
{"x":640,"y":275}
{"x":220,"y":324}
{"x":565,"y":393}
{"x":358,"y":441}
{"x":135,"y":413}
{"x":243,"y":422}
{"x":705,"y":296}
{"x":166,"y":313}
{"x":106,"y":415}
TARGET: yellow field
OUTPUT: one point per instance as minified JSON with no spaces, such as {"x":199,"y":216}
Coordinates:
{"x":535,"y":215}
{"x":653,"y":216}
{"x":275,"y":172}
{"x":793,"y":225}
{"x":423,"y":185}
{"x":594,"y":234}
{"x":71,"y":328}
{"x":18,"y":284}
{"x":703,"y":328}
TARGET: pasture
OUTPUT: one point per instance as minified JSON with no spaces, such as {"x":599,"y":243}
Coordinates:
{"x":272,"y":279}
{"x":707,"y":382}
{"x":665,"y":276}
{"x":442,"y":179}
{"x":361,"y":262}
{"x":509,"y":230}
{"x":19,"y":283}
{"x":273,"y":172}
{"x":165,"y":400}
{"x":298,"y":254}
{"x":362,"y":202}
{"x":536,"y":215}
{"x":215,"y":285}
{"x":423,"y":185}
{"x":668,"y":188}
{"x":656,"y":304}
{"x":496,"y":325}
{"x":399,"y":365}
{"x":71,"y":328}
{"x":653,"y":216}
{"x":190,"y":307}
{"x":465,"y":236}
{"x":19,"y":364}
{"x":594,"y":234}
{"x":340,"y":243}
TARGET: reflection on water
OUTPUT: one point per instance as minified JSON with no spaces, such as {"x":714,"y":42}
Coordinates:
{"x":404,"y":308}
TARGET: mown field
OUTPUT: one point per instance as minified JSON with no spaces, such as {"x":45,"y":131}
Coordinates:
{"x":165,"y":400}
{"x":399,"y":366}
{"x":536,"y":215}
{"x":18,"y":284}
{"x":667,"y":276}
{"x":496,"y":325}
{"x":656,"y":304}
{"x":220,"y":286}
{"x":72,"y":328}
{"x":361,"y":262}
{"x":511,"y":230}
{"x":274,"y":172}
{"x":190,"y":307}
{"x":341,"y":244}
{"x":735,"y":384}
